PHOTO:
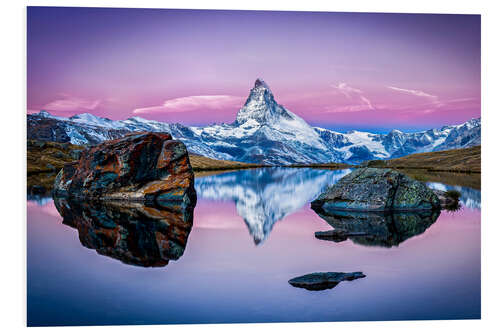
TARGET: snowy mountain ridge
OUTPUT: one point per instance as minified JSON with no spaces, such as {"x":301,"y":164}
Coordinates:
{"x":263,"y":132}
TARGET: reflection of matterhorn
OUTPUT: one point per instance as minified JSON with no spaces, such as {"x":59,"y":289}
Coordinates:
{"x":265,"y":196}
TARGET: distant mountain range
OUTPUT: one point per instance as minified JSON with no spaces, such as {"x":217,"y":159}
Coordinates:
{"x":263,"y":132}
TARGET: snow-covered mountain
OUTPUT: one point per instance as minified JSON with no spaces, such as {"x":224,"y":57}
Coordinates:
{"x":263,"y":132}
{"x":267,"y":195}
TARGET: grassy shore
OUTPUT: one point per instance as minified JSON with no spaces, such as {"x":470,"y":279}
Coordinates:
{"x":49,"y":157}
{"x":472,"y":180}
{"x":43,"y":162}
{"x":201,"y":163}
{"x":467,"y":160}
{"x":322,"y":166}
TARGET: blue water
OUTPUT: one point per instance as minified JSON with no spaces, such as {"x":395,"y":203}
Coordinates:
{"x":252,"y":231}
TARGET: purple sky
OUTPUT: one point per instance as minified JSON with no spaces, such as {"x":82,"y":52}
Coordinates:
{"x":336,"y":70}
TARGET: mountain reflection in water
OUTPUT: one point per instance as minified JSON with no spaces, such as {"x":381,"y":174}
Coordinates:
{"x":131,"y":232}
{"x":385,"y":229}
{"x":267,"y":195}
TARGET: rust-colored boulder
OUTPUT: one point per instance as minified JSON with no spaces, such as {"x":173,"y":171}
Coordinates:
{"x":147,"y":167}
{"x":132,"y":232}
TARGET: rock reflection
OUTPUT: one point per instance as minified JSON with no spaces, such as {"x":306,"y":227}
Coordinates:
{"x":385,"y":229}
{"x":134,"y":233}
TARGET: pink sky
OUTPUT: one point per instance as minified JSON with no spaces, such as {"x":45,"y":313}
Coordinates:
{"x":337,"y":70}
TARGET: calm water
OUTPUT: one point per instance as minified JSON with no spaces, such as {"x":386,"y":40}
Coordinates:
{"x":252,"y":231}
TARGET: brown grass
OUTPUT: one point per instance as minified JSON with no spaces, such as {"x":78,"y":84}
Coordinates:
{"x":44,"y":160}
{"x":321,"y":166}
{"x":202,"y":163}
{"x":49,"y":157}
{"x":467,"y":160}
{"x":472,"y":180}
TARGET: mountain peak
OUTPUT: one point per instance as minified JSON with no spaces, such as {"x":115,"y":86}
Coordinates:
{"x":261,"y":83}
{"x":261,"y":107}
{"x":44,"y":113}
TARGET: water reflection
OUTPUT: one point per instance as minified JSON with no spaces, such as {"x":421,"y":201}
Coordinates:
{"x":265,"y":196}
{"x":40,"y":200}
{"x":469,"y":197}
{"x":386,"y":229}
{"x":133,"y":233}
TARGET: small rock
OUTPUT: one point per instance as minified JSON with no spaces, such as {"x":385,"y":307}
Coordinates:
{"x":447,"y":202}
{"x":337,"y":235}
{"x":323,"y":280}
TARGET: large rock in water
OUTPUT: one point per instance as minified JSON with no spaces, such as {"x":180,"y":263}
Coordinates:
{"x":372,"y":189}
{"x":147,"y":167}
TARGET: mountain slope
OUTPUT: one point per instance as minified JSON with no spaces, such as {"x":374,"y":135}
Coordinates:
{"x":264,"y":132}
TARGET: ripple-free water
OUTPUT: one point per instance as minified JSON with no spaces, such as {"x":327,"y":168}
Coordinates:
{"x":253,"y":231}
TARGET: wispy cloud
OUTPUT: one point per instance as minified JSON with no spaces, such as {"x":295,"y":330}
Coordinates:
{"x":191,"y":103}
{"x":367,"y":102}
{"x":348,"y":108}
{"x":433,"y":101}
{"x":418,"y":93}
{"x":354,"y":94}
{"x":71,"y":104}
{"x":346,"y":90}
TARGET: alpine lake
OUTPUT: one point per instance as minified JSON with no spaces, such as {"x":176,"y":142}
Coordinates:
{"x":230,"y":258}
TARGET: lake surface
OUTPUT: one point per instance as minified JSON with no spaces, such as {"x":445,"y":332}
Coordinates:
{"x":253,"y":230}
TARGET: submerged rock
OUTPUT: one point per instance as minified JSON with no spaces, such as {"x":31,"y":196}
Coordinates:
{"x":148,"y":167}
{"x":323,"y":280}
{"x":386,"y":229}
{"x":372,"y":189}
{"x":338,"y":235}
{"x":132,"y":232}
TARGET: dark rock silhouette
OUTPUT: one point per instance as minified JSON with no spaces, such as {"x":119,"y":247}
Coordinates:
{"x":384,"y":229}
{"x":372,"y":189}
{"x":337,"y":235}
{"x":323,"y":280}
{"x":449,"y":201}
{"x":148,"y":167}
{"x":131,"y":232}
